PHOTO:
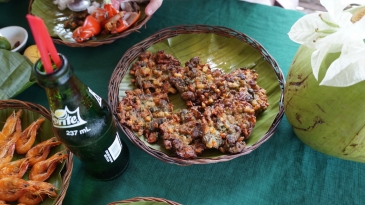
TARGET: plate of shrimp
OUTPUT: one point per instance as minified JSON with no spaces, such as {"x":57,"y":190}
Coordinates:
{"x":35,"y":166}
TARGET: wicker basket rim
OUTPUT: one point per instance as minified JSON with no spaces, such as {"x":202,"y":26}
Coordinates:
{"x":138,"y":199}
{"x":170,"y":32}
{"x":67,"y":169}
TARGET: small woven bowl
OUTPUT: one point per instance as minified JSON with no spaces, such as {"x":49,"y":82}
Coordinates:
{"x":143,"y":199}
{"x":208,"y":37}
{"x":33,"y":111}
{"x":91,"y":43}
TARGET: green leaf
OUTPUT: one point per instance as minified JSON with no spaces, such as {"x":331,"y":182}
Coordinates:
{"x":44,"y":132}
{"x":227,"y":54}
{"x":15,"y":74}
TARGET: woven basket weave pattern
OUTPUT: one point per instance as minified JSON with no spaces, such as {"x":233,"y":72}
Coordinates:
{"x":131,"y":54}
{"x":139,"y":199}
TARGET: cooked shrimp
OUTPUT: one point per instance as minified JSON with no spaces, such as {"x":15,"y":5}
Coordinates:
{"x":2,"y":202}
{"x":7,"y":148}
{"x":8,"y":156}
{"x":4,"y":145}
{"x":13,"y":137}
{"x":10,"y":123}
{"x":40,"y":151}
{"x":42,"y":170}
{"x":30,"y":199}
{"x":28,"y":136}
{"x":15,"y":168}
{"x":40,"y":191}
{"x":12,"y":188}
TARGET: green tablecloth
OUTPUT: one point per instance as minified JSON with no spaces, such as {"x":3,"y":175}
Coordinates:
{"x":281,"y":171}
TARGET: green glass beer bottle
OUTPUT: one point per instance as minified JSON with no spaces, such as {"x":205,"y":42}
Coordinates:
{"x":84,"y":122}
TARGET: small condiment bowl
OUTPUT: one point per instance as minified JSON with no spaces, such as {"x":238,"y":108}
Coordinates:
{"x":15,"y":35}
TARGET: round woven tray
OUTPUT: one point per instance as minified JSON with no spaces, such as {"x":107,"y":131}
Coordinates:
{"x":133,"y":53}
{"x":141,"y":199}
{"x":134,"y":28}
{"x":67,"y":169}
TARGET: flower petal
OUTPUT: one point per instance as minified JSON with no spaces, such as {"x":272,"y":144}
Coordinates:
{"x":304,"y":30}
{"x":335,"y":41}
{"x":350,"y":75}
{"x":335,"y":10}
{"x":349,"y":68}
{"x":316,"y":60}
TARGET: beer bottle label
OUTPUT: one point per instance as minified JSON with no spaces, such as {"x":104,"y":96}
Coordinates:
{"x":112,"y":153}
{"x":96,"y":96}
{"x":64,"y":118}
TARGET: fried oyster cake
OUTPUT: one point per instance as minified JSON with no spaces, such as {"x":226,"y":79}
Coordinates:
{"x":196,"y":83}
{"x":224,"y":126}
{"x":151,"y":72}
{"x":183,"y":133}
{"x":144,"y":113}
{"x":243,"y":83}
{"x":228,"y":123}
{"x":221,"y":107}
{"x":201,"y":86}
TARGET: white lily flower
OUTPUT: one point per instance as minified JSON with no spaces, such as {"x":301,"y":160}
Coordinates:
{"x":333,"y":32}
{"x":349,"y":68}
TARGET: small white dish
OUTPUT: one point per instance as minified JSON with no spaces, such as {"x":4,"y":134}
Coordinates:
{"x":15,"y":34}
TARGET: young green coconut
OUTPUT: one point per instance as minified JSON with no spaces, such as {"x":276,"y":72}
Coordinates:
{"x":325,"y":87}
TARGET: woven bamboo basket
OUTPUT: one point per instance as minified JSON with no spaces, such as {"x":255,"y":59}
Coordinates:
{"x":132,"y":54}
{"x":143,"y":199}
{"x":67,"y":169}
{"x":134,"y":28}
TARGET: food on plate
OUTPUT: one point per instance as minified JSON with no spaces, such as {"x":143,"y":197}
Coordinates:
{"x":183,"y":133}
{"x":144,"y":113}
{"x":196,"y":83}
{"x":200,"y":86}
{"x":41,"y":151}
{"x":28,"y":136}
{"x":75,"y":20}
{"x":221,"y":107}
{"x":229,"y":123}
{"x":15,"y":183}
{"x":12,"y":188}
{"x":6,"y":154}
{"x":101,"y":19}
{"x":244,"y":83}
{"x":152,"y":72}
{"x":42,"y":170}
{"x":10,"y":126}
{"x":15,"y":168}
{"x":224,"y":126}
{"x":37,"y":192}
{"x":4,"y":43}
